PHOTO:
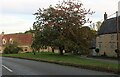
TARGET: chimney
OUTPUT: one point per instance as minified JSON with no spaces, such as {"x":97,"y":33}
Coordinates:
{"x":105,"y":16}
{"x":2,"y":33}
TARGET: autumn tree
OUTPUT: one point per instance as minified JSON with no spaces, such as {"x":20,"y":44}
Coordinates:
{"x":61,"y":26}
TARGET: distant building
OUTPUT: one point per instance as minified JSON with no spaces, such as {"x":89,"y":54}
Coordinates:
{"x":24,"y":41}
{"x":106,"y":40}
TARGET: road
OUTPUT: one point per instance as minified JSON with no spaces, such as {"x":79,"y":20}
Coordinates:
{"x":13,"y":66}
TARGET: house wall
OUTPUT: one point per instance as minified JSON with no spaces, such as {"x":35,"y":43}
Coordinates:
{"x":25,"y":48}
{"x":49,"y":49}
{"x":107,"y":43}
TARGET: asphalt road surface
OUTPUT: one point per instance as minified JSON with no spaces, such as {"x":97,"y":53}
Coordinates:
{"x":13,"y":66}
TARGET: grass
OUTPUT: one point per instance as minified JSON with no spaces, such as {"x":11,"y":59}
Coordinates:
{"x":0,"y":54}
{"x":69,"y":60}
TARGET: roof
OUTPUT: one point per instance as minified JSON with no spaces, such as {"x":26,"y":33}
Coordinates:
{"x":21,"y":39}
{"x":109,"y":26}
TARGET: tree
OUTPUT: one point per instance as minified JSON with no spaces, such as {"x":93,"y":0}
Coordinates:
{"x":29,"y":31}
{"x":36,"y":45}
{"x":88,"y":36}
{"x":98,"y":24}
{"x":61,"y":26}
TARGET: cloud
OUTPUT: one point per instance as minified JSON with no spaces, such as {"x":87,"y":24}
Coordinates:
{"x":16,"y":15}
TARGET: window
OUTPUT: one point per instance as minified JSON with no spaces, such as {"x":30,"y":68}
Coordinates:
{"x":26,"y":49}
{"x":4,"y":41}
{"x":11,"y":40}
{"x":100,"y":45}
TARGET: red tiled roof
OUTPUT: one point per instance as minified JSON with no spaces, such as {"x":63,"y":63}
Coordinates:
{"x":21,"y":39}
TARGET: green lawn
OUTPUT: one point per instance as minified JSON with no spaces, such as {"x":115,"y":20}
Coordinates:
{"x":70,"y":59}
{"x":0,"y":54}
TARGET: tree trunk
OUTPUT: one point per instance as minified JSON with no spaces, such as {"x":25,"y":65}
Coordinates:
{"x":61,"y":50}
{"x":33,"y":51}
{"x":53,"y":49}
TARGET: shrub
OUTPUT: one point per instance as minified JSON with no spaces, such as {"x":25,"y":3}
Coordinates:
{"x":97,"y":50}
{"x":11,"y":49}
{"x":116,"y":51}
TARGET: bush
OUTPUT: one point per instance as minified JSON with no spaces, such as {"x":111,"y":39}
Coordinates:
{"x":116,"y":51}
{"x":11,"y":49}
{"x":97,"y":50}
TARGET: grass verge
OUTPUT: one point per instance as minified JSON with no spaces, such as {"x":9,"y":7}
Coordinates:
{"x":70,"y":60}
{"x":0,"y":54}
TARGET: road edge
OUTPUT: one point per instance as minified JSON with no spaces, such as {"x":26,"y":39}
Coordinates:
{"x":96,"y":68}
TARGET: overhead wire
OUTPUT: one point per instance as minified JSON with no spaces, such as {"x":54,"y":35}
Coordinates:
{"x":102,"y":19}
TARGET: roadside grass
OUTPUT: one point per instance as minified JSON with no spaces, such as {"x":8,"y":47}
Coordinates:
{"x":66,"y":59}
{"x":0,"y":55}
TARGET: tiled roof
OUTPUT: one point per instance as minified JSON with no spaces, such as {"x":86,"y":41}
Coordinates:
{"x":21,"y":39}
{"x":108,"y":26}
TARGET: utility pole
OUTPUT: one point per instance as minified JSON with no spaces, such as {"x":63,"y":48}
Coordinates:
{"x":118,"y":37}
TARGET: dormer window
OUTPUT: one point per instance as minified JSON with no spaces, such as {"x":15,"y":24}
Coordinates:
{"x":11,"y":41}
{"x":4,"y":41}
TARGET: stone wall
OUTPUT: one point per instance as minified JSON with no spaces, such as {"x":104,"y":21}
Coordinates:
{"x":107,"y":43}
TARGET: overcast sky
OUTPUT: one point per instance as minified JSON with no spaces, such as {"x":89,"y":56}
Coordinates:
{"x":16,"y":15}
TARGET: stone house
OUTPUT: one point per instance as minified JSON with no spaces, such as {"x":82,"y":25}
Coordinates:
{"x":106,"y":40}
{"x":24,"y":41}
